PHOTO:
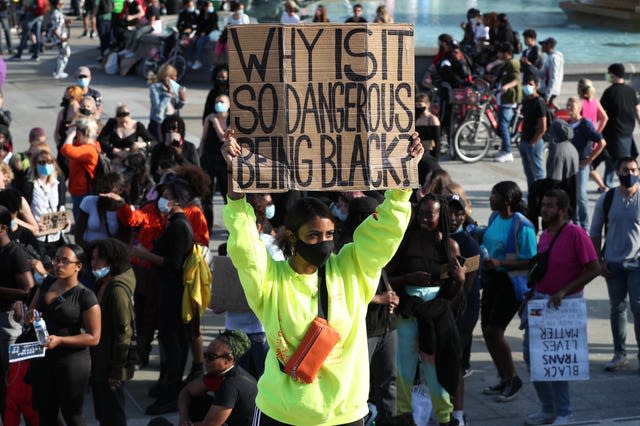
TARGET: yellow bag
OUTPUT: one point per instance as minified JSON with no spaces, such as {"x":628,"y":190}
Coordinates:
{"x":197,"y":283}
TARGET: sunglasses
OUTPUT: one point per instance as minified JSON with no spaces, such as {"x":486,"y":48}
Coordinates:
{"x":45,"y":162}
{"x":123,"y":114}
{"x":83,"y":76}
{"x":209,"y":356}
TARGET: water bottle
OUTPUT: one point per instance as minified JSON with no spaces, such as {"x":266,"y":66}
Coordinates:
{"x":41,"y":328}
{"x":484,"y":254}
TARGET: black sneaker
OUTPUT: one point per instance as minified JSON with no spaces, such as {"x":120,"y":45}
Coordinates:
{"x":511,"y":390}
{"x":496,"y":389}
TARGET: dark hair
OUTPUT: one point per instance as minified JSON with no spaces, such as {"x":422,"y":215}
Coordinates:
{"x":302,"y":212}
{"x":531,"y":77}
{"x":198,"y":180}
{"x":356,"y":6}
{"x":561,"y":196}
{"x":423,"y":97}
{"x":530,"y":33}
{"x":114,"y":252}
{"x":78,"y":251}
{"x":617,"y":70}
{"x":443,"y":220}
{"x":505,"y":48}
{"x":472,"y":13}
{"x":5,"y":216}
{"x":235,"y":6}
{"x":110,"y":182}
{"x":171,"y":122}
{"x":512,"y":195}
{"x":10,"y":198}
{"x":621,"y":162}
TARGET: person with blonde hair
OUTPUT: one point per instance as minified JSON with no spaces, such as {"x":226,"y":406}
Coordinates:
{"x":167,"y":97}
{"x":122,"y":135}
{"x":593,"y":111}
{"x":383,"y":16}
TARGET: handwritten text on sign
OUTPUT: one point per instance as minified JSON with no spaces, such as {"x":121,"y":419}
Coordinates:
{"x":322,"y":107}
{"x":558,"y":341}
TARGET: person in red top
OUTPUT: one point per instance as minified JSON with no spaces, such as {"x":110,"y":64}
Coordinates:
{"x":82,"y":150}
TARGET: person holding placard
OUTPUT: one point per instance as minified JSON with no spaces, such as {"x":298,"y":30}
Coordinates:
{"x":571,"y":263}
{"x":313,"y":286}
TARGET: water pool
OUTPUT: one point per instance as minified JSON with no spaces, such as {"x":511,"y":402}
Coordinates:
{"x":580,"y":41}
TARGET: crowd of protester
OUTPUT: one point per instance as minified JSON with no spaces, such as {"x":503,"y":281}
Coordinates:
{"x":141,"y":200}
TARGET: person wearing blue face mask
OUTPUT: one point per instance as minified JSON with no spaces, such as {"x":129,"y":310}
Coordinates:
{"x":167,"y":257}
{"x":213,"y":130}
{"x":115,"y":285}
{"x":46,"y":194}
{"x":534,"y":112}
{"x":83,"y":80}
{"x":206,"y":23}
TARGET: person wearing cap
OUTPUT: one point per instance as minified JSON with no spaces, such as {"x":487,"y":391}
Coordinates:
{"x":620,"y":102}
{"x":167,"y":257}
{"x":290,"y":14}
{"x":552,"y":72}
{"x":83,"y":79}
{"x":234,"y":390}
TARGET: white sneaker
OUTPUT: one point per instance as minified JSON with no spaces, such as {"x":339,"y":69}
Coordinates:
{"x":539,"y":418}
{"x":196,"y":65}
{"x":503,"y":157}
{"x":618,"y":361}
{"x":563,"y":420}
{"x":60,"y":76}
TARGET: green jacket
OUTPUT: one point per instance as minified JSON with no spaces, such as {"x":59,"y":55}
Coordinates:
{"x":109,"y":358}
{"x":511,"y":71}
{"x":286,"y":303}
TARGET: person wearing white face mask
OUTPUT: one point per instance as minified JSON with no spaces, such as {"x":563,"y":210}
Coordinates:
{"x":213,"y":130}
{"x":534,"y":112}
{"x":167,"y":257}
{"x":115,"y":285}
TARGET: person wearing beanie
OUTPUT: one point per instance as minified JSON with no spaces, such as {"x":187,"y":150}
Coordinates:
{"x":621,"y":105}
{"x":234,"y":389}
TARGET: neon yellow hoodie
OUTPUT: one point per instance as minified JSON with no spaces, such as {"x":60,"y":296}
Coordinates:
{"x":286,"y":303}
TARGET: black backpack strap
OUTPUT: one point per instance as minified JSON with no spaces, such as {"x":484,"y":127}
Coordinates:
{"x":323,"y":294}
{"x":606,"y":206}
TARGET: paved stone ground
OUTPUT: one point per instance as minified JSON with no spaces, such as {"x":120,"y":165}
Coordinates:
{"x":606,"y":399}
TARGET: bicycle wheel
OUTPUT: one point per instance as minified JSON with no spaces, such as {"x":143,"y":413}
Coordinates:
{"x":472,"y":141}
{"x":180,"y":64}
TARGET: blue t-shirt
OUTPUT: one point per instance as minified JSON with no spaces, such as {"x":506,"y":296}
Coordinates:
{"x":583,"y":134}
{"x":496,"y":236}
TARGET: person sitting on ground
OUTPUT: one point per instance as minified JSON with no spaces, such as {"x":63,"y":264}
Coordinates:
{"x":234,"y":389}
{"x":207,"y":22}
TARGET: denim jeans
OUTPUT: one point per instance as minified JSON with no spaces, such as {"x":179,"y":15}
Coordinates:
{"x":532,"y":161}
{"x":554,"y":396}
{"x":200,"y":45}
{"x":624,"y":281}
{"x":582,"y":210}
{"x":75,"y":209}
{"x":382,"y":364}
{"x":505,"y":115}
{"x":31,"y":24}
{"x":6,"y":27}
{"x":105,"y":33}
{"x":408,"y":357}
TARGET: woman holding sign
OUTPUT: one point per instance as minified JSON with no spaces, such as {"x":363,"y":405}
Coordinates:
{"x":314,"y":289}
{"x":571,"y":264}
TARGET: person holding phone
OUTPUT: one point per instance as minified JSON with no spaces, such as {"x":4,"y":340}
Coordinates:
{"x":173,"y":150}
{"x":284,"y":295}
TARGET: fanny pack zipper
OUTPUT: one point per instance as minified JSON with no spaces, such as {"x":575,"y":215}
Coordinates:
{"x":306,"y":350}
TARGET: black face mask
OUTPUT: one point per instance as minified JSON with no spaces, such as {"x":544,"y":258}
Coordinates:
{"x":628,"y":180}
{"x":420,"y":110}
{"x":84,"y":111}
{"x":316,"y":254}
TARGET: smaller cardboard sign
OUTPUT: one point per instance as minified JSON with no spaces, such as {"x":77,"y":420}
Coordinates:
{"x":22,"y":351}
{"x":227,"y":293}
{"x":472,"y":264}
{"x":558,"y":348}
{"x":55,"y":222}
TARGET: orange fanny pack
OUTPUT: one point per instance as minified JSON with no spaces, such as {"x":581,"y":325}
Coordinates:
{"x":314,"y":349}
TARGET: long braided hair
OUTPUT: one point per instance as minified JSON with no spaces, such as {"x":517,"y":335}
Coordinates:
{"x":443,"y":222}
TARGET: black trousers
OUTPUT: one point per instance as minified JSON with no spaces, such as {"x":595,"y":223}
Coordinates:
{"x":261,"y":419}
{"x":60,"y":381}
{"x":172,"y":335}
{"x":108,"y":404}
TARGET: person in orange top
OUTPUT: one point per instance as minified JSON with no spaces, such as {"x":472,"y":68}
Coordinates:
{"x":82,"y":150}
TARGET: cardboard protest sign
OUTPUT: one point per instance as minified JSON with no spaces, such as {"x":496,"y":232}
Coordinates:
{"x":322,"y":107}
{"x":558,"y":345}
{"x":226,"y":291}
{"x":22,"y":351}
{"x":54,"y":222}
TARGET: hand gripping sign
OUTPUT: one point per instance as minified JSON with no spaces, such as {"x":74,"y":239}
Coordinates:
{"x":322,"y":107}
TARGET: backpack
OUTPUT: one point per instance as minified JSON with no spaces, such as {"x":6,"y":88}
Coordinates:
{"x":103,"y":167}
{"x":606,"y":206}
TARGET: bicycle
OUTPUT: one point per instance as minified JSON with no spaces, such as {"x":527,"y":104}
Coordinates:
{"x":476,"y":134}
{"x":155,"y":58}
